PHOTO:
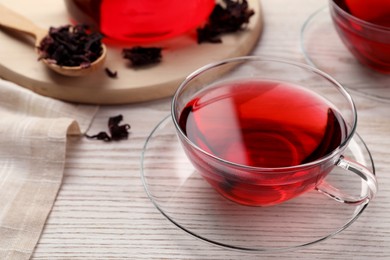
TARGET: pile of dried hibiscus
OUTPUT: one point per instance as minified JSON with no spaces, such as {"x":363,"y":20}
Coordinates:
{"x":71,"y":46}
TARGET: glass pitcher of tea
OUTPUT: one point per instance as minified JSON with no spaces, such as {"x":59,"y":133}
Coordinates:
{"x":140,"y":20}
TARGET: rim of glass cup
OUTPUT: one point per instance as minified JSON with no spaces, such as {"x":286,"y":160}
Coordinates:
{"x":242,"y":59}
{"x":365,"y":23}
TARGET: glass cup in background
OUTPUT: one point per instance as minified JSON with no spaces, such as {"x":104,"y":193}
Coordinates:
{"x":364,"y":27}
{"x":140,"y":21}
{"x":237,"y":145}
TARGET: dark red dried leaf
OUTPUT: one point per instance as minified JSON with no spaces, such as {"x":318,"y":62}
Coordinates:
{"x":227,"y":18}
{"x":141,"y":56}
{"x":110,"y":73}
{"x":71,"y":46}
{"x":117,"y":132}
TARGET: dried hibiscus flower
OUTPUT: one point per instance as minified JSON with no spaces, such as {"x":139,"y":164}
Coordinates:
{"x":117,"y":132}
{"x":71,"y":46}
{"x":110,"y":73}
{"x":225,"y":19}
{"x":141,"y":56}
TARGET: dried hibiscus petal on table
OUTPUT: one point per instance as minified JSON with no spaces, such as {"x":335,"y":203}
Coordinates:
{"x":71,"y":46}
{"x":117,"y":132}
{"x":225,"y":18}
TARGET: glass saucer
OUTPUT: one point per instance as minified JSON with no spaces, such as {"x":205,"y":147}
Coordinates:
{"x":190,"y":203}
{"x":324,"y":50}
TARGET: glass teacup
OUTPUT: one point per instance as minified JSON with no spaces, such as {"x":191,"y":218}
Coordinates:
{"x":364,"y":27}
{"x":264,"y":131}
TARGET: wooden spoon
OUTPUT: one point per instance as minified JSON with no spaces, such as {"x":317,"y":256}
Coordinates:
{"x":14,"y":21}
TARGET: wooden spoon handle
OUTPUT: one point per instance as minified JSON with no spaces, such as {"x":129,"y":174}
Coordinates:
{"x":17,"y":22}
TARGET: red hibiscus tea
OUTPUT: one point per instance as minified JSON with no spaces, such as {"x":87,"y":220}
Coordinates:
{"x":364,"y":27}
{"x":140,"y":21}
{"x":266,"y":124}
{"x":373,"y":11}
{"x":263,"y":131}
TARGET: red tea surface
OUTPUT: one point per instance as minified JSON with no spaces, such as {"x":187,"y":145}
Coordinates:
{"x":265,"y":124}
{"x":140,"y":21}
{"x":370,"y":46}
{"x":373,"y":11}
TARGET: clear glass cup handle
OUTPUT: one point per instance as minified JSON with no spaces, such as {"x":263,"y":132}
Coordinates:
{"x":354,"y":167}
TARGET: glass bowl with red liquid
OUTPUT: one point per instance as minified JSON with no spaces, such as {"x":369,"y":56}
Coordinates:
{"x":140,"y":21}
{"x":364,"y":27}
{"x":261,"y":133}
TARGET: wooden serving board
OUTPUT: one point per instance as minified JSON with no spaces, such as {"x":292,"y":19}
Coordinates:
{"x":181,"y":56}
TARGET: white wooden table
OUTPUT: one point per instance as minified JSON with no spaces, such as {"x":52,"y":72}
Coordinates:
{"x":103,"y":212}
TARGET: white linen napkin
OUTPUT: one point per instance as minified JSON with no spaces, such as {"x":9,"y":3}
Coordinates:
{"x":33,"y":133}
